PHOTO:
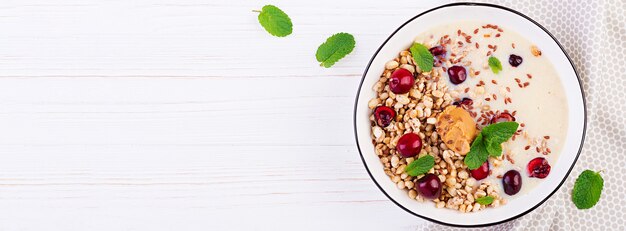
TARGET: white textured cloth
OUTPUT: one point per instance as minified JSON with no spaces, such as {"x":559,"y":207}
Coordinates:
{"x":593,"y":32}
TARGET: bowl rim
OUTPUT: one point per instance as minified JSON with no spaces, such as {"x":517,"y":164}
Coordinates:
{"x":584,"y":102}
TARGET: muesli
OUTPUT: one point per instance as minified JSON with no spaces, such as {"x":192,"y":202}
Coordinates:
{"x":470,"y":116}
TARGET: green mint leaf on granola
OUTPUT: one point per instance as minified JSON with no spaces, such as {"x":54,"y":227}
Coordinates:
{"x":484,"y":200}
{"x":495,"y":65}
{"x":420,"y":166}
{"x":494,"y":149}
{"x":275,"y":21}
{"x":587,"y":189}
{"x":496,"y":134}
{"x":422,"y":56}
{"x":478,"y":153}
{"x":335,"y":48}
{"x":489,"y":143}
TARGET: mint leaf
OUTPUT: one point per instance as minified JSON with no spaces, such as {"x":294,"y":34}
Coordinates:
{"x":494,"y":149}
{"x":335,"y":48}
{"x":495,"y":65}
{"x":275,"y":21}
{"x":587,"y":189}
{"x":478,"y":153}
{"x":420,"y":166}
{"x":496,"y":134}
{"x":422,"y":56}
{"x":485,"y":200}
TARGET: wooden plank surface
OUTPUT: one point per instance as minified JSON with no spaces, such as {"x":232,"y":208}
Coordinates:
{"x":185,"y":115}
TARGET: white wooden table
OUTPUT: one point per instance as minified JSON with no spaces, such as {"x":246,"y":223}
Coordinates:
{"x":185,"y":115}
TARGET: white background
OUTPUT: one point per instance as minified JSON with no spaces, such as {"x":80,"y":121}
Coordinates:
{"x":185,"y":115}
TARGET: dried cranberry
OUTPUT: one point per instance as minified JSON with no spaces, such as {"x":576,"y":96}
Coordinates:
{"x":502,"y":117}
{"x":409,"y":145}
{"x":538,"y":167}
{"x":437,"y":50}
{"x":481,"y":172}
{"x":429,"y":186}
{"x":465,"y":103}
{"x":384,"y":115}
{"x":457,"y":74}
{"x":515,"y":60}
{"x":512,"y":182}
{"x":401,"y":81}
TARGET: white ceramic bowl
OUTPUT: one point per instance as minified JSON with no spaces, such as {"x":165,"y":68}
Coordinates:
{"x":401,"y":39}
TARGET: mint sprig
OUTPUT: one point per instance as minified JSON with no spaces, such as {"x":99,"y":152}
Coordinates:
{"x":489,"y":143}
{"x":275,"y":21}
{"x":420,"y":166}
{"x":587,"y":189}
{"x":495,"y":64}
{"x":335,"y":48}
{"x":422,"y":57}
{"x":484,"y":200}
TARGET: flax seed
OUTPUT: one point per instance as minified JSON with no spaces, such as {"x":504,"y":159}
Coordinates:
{"x":476,"y":31}
{"x":495,"y":97}
{"x":537,"y":149}
{"x":466,"y":89}
{"x":498,"y":35}
{"x":522,"y":125}
{"x":518,"y":80}
{"x":488,"y":99}
{"x":526,"y":84}
{"x":494,"y":81}
{"x":527,"y":147}
{"x":508,"y":89}
{"x":546,"y":137}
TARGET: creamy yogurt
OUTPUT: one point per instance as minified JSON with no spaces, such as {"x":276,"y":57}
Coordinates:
{"x":534,"y":89}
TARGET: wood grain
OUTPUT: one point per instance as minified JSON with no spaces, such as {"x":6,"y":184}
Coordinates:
{"x":185,"y":115}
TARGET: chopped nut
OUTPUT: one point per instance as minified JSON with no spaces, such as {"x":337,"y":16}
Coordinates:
{"x":535,"y":51}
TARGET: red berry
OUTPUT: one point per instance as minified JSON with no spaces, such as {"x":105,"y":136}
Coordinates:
{"x":429,"y":186}
{"x":465,"y":103}
{"x":409,"y":145}
{"x":502,"y":117}
{"x":401,"y":81}
{"x":457,"y":74}
{"x":481,"y":172}
{"x":437,"y":51}
{"x":538,"y":167}
{"x":384,"y":115}
{"x":512,"y":182}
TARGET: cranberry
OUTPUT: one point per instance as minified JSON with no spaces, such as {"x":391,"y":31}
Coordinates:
{"x":409,"y":145}
{"x":384,"y":115}
{"x":515,"y":60}
{"x":457,"y":74}
{"x":465,"y":102}
{"x":429,"y":186}
{"x":481,"y":172}
{"x":437,"y":51}
{"x":502,"y":117}
{"x":538,"y":167}
{"x":512,"y":182}
{"x":401,"y":81}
